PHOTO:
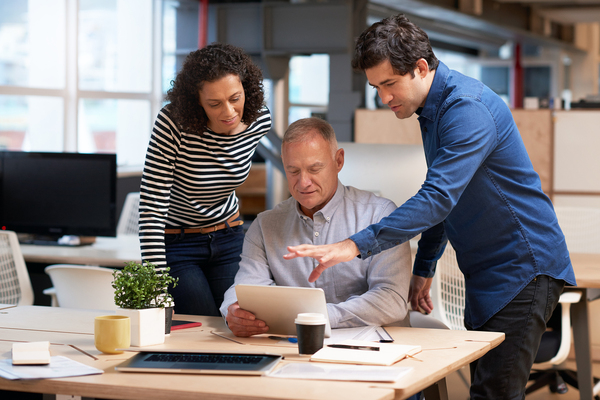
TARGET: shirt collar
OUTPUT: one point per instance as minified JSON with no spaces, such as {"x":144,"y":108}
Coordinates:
{"x":434,"y":97}
{"x":329,"y":209}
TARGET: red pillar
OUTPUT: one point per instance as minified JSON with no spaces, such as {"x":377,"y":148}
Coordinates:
{"x":202,"y":23}
{"x":517,"y":91}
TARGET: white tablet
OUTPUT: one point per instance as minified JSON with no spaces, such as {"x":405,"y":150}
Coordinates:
{"x":278,"y":306}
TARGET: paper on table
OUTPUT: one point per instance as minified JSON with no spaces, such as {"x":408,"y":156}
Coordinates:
{"x":340,"y":372}
{"x":368,"y":333}
{"x":358,"y":333}
{"x":59,"y":367}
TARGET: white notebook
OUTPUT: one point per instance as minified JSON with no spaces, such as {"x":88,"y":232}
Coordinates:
{"x":31,"y":353}
{"x":387,"y":354}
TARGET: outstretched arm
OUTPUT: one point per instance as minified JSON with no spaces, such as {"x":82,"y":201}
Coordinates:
{"x":326,"y":255}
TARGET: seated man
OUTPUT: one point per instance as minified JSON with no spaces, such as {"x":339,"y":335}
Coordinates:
{"x":321,"y":210}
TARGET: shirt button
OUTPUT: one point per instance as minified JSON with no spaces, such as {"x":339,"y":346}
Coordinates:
{"x":317,"y":234}
{"x":425,"y":129}
{"x":368,"y":253}
{"x":328,"y":218}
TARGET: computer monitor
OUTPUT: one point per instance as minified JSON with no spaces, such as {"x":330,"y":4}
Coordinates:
{"x":56,"y":194}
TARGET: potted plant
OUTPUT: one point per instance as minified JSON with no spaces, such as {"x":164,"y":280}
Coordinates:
{"x":141,"y":293}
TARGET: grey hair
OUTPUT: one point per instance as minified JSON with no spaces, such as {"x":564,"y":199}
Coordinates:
{"x":303,"y":129}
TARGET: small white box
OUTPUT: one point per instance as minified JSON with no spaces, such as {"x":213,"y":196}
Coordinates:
{"x":531,"y":103}
{"x":31,"y":353}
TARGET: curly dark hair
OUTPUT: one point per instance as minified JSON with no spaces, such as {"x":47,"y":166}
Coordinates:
{"x":395,"y":39}
{"x":208,"y":65}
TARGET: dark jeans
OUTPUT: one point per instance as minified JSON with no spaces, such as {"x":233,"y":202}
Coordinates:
{"x":206,"y":265}
{"x":503,"y":372}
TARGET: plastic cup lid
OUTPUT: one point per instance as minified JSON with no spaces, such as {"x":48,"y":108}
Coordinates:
{"x":310,"y":319}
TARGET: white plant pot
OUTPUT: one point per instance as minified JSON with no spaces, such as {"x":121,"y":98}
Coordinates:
{"x":147,"y":325}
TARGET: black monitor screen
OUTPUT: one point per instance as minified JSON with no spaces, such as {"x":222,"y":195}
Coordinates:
{"x":58,"y":193}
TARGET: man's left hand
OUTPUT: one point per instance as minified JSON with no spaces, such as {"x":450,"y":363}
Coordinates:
{"x":418,"y":294}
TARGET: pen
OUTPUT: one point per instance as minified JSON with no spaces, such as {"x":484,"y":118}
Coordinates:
{"x":289,"y":339}
{"x":347,"y":346}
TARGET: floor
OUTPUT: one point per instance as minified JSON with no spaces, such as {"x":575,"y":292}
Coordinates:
{"x":457,"y":390}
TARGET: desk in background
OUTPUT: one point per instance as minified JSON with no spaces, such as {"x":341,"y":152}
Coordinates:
{"x":443,"y":352}
{"x":106,"y":252}
{"x":587,"y":274}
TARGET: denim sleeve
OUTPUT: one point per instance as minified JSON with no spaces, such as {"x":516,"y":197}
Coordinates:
{"x":431,"y":247}
{"x":464,"y":137}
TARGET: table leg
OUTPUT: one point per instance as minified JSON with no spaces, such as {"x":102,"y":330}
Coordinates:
{"x":437,"y":391}
{"x":581,"y":338}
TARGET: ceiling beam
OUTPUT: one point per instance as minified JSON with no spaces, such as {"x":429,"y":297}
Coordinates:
{"x":553,"y":2}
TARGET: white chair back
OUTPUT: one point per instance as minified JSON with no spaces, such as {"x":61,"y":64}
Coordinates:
{"x":129,"y":220}
{"x":81,"y":286}
{"x":448,"y":291}
{"x":15,"y":285}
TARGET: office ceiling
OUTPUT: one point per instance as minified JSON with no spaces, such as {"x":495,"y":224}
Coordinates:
{"x":563,"y":11}
{"x":484,"y":24}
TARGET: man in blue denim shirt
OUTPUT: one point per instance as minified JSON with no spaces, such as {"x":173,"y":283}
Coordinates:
{"x":480,"y":192}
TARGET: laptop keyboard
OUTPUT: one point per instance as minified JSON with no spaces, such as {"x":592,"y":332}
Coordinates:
{"x":206,"y":358}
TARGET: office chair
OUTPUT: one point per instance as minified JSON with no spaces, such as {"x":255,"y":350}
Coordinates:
{"x":15,"y":285}
{"x":554,"y":350}
{"x":81,"y":286}
{"x":448,"y":291}
{"x":129,"y":220}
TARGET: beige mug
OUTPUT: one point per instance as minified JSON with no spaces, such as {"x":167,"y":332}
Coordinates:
{"x":112,"y":332}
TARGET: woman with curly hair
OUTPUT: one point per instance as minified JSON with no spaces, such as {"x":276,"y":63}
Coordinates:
{"x":200,"y":151}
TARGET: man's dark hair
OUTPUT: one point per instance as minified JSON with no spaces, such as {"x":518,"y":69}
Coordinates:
{"x":395,"y":39}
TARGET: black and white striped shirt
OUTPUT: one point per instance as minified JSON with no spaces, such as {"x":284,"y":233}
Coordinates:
{"x":189,"y":180}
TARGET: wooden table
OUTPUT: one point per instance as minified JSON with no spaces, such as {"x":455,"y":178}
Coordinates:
{"x":68,"y":330}
{"x":107,"y":251}
{"x":587,"y":273}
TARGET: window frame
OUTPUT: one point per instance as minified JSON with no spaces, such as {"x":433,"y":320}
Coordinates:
{"x":71,"y":94}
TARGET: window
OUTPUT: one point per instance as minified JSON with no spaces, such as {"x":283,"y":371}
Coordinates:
{"x":77,"y":75}
{"x":32,"y":43}
{"x":308,"y":86}
{"x":115,"y":54}
{"x":31,"y":123}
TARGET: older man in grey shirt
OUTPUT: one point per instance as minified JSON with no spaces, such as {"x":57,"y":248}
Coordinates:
{"x":322,"y":210}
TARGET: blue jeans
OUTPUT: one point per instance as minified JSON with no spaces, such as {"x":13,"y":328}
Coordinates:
{"x":502,"y":373}
{"x":206,"y":265}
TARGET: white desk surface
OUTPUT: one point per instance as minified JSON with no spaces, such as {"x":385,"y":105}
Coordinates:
{"x":70,"y":332}
{"x":106,"y":251}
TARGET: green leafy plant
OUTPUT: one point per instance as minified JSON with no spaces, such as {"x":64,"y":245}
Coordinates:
{"x":139,"y":286}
